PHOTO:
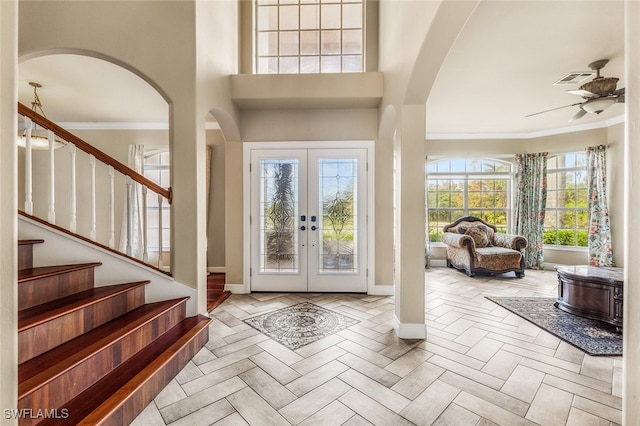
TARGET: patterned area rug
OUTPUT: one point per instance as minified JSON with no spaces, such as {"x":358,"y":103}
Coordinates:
{"x":591,"y":336}
{"x":301,"y":324}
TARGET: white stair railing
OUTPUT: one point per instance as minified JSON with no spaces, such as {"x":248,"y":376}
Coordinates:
{"x":92,"y":209}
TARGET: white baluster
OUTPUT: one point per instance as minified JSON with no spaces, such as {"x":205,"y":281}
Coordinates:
{"x":112,"y":208}
{"x":52,"y":181}
{"x":92,"y":166}
{"x":73,"y":213}
{"x":28,"y":169}
{"x":145,"y":251}
{"x":128,"y":247}
{"x":160,"y":262}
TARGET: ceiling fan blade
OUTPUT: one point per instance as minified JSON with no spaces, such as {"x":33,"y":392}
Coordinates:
{"x":620,"y":99}
{"x":553,"y":109}
{"x":578,"y":115}
{"x":619,"y":92}
{"x":583,"y":93}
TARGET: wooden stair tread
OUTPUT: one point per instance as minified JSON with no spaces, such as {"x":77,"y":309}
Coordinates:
{"x":213,"y":301}
{"x":49,"y":271}
{"x":29,"y":242}
{"x":107,"y":394}
{"x":48,"y":311}
{"x":43,"y":368}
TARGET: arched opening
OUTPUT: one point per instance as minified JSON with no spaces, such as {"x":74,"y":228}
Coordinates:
{"x":120,"y":113}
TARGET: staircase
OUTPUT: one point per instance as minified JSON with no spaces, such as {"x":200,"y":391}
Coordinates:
{"x":94,"y":355}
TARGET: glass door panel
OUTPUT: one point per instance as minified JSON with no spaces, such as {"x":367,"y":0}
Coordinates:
{"x":279,"y":249}
{"x":337,"y":193}
{"x":278,"y":187}
{"x":308,"y":220}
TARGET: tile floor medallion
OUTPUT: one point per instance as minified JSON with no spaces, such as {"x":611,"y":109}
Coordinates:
{"x":301,"y":324}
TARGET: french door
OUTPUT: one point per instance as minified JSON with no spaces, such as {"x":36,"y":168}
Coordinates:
{"x":309,"y":220}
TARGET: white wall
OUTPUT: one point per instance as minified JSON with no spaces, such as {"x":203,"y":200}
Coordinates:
{"x":60,"y":248}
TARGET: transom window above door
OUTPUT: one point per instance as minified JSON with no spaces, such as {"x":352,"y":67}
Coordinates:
{"x":309,"y":36}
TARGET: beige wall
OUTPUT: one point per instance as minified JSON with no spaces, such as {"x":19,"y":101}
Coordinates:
{"x":8,"y":220}
{"x":577,"y":141}
{"x":289,"y":125}
{"x":188,"y":61}
{"x":216,"y":231}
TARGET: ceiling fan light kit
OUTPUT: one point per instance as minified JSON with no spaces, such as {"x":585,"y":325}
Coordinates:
{"x":598,"y":94}
{"x":596,"y":106}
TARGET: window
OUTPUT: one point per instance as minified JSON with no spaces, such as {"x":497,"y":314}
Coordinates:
{"x":156,"y":169}
{"x":468,"y":187}
{"x":566,"y":218}
{"x":309,"y":36}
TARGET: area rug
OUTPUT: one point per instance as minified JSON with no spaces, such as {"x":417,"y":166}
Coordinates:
{"x":596,"y":338}
{"x":301,"y":324}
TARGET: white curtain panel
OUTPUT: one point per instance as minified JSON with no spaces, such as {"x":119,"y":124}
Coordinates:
{"x":135,"y":201}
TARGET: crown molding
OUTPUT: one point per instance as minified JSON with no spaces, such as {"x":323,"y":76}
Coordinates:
{"x":123,"y":125}
{"x":527,"y":135}
{"x":113,"y":125}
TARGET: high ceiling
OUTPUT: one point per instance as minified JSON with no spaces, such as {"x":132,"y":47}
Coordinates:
{"x":81,"y":89}
{"x":501,"y":68}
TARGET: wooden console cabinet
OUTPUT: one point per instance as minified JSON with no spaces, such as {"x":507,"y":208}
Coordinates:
{"x":591,"y":292}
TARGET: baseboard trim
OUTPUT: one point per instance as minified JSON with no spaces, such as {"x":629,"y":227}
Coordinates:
{"x":382,"y":290}
{"x":438,"y":263}
{"x":236,"y":288}
{"x":217,"y":269}
{"x":409,"y":330}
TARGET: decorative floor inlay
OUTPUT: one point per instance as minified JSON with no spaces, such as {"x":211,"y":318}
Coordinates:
{"x":300,"y":324}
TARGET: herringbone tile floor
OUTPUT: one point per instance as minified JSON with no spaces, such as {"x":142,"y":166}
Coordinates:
{"x":480,"y":365}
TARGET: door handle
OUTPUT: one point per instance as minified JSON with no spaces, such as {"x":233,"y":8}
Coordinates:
{"x":313,"y":228}
{"x":303,"y":228}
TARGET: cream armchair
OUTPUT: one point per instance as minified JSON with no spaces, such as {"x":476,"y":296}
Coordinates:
{"x":474,"y":245}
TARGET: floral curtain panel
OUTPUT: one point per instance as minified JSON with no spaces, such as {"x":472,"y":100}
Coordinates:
{"x":600,"y":253}
{"x":530,"y":202}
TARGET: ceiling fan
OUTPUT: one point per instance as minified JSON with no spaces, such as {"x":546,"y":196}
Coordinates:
{"x":598,"y":94}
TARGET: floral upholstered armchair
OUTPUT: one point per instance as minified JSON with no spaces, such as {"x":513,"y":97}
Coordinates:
{"x":474,"y":245}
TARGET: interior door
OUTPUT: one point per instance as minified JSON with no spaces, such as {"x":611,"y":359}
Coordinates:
{"x":308,"y":220}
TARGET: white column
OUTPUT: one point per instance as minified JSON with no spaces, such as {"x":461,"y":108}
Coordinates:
{"x":52,"y":175}
{"x":409,"y":320}
{"x":92,"y":166}
{"x":112,"y":208}
{"x":28,"y":169}
{"x":73,"y":206}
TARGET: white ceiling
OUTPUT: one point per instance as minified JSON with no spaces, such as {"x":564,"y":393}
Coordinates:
{"x":504,"y":64}
{"x":81,"y":89}
{"x":501,"y":68}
